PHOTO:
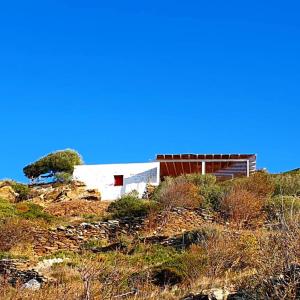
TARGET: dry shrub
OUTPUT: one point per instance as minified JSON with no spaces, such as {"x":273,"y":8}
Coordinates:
{"x":277,"y":275}
{"x":232,"y":253}
{"x":242,"y":208}
{"x":75,"y":208}
{"x":178,"y":192}
{"x":15,"y":231}
{"x":260,"y":183}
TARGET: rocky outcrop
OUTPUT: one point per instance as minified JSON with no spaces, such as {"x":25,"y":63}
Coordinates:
{"x":18,"y":272}
{"x":179,"y":241}
{"x":214,"y":294}
{"x":63,"y":192}
{"x":7,"y":192}
{"x":74,"y":237}
{"x":178,"y":220}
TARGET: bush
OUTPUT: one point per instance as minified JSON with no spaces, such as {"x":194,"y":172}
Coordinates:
{"x":212,"y":196}
{"x":53,"y":164}
{"x":287,"y":184}
{"x":233,"y":253}
{"x":32,"y":211}
{"x":184,"y":268}
{"x":25,"y":210}
{"x":280,"y":207}
{"x":210,"y":192}
{"x":260,"y":184}
{"x":7,"y":209}
{"x":242,"y":207}
{"x":20,"y":188}
{"x":178,"y":192}
{"x":201,"y":180}
{"x":130,"y":206}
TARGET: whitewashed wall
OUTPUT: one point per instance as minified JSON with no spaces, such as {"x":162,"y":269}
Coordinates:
{"x":101,"y":177}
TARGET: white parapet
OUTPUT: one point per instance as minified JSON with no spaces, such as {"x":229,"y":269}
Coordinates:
{"x":115,"y":180}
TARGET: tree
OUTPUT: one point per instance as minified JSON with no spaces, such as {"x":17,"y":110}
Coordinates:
{"x":54,"y":165}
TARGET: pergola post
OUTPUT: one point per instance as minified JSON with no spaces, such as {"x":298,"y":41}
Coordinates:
{"x":248,"y":168}
{"x":203,"y":167}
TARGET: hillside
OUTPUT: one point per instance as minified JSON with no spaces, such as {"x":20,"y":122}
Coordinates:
{"x":192,"y":238}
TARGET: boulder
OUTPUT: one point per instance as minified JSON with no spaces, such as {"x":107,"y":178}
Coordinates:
{"x":65,"y":192}
{"x":32,"y":284}
{"x":7,"y":192}
{"x":212,"y":294}
{"x":92,"y":194}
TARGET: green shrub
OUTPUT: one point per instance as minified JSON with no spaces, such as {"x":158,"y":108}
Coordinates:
{"x":283,"y":207}
{"x":186,"y":267}
{"x":7,"y":209}
{"x":212,"y":196}
{"x":130,"y":206}
{"x":153,"y":254}
{"x":53,"y":164}
{"x":22,"y":189}
{"x":209,"y":190}
{"x":201,"y":180}
{"x":24,"y":210}
{"x":32,"y":211}
{"x":287,"y":184}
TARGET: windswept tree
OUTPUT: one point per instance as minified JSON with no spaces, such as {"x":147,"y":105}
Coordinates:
{"x":58,"y":165}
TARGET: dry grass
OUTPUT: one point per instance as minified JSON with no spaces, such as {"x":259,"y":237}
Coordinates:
{"x":242,"y":208}
{"x":170,"y":222}
{"x":15,"y":231}
{"x":179,"y":192}
{"x":75,"y":208}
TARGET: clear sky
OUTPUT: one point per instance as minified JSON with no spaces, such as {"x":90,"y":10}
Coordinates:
{"x":121,"y":81}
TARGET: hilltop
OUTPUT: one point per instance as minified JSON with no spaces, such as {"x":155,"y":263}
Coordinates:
{"x":189,"y":238}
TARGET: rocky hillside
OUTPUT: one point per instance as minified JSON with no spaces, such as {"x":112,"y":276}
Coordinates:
{"x":193,"y":238}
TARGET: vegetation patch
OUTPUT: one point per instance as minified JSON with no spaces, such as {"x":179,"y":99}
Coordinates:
{"x":25,"y":210}
{"x":130,"y":206}
{"x":21,"y":189}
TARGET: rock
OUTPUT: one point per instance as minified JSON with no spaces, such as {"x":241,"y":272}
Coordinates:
{"x":32,"y":284}
{"x":219,"y":294}
{"x":212,"y":294}
{"x":53,"y":194}
{"x":86,"y":225}
{"x":47,"y":263}
{"x":195,"y":297}
{"x":16,"y":271}
{"x":7,"y":192}
{"x":61,"y":228}
{"x":91,"y":194}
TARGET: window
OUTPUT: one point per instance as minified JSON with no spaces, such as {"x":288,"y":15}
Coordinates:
{"x":119,"y":180}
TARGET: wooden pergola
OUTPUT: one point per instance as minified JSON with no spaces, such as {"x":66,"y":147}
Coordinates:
{"x":223,"y":166}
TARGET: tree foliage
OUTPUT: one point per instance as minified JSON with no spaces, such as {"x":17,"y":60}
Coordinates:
{"x":53,"y":163}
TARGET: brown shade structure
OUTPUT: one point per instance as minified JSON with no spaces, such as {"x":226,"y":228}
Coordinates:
{"x":223,"y":166}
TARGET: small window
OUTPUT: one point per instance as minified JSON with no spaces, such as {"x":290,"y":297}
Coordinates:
{"x":119,"y":180}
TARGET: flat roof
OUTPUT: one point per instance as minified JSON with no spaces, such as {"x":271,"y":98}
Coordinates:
{"x":204,"y":156}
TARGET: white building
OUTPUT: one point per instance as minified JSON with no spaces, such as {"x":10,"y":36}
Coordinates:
{"x":115,"y":180}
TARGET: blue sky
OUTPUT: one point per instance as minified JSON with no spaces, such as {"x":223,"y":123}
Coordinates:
{"x":121,"y":81}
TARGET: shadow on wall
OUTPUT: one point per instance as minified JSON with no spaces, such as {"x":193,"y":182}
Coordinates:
{"x":149,"y":176}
